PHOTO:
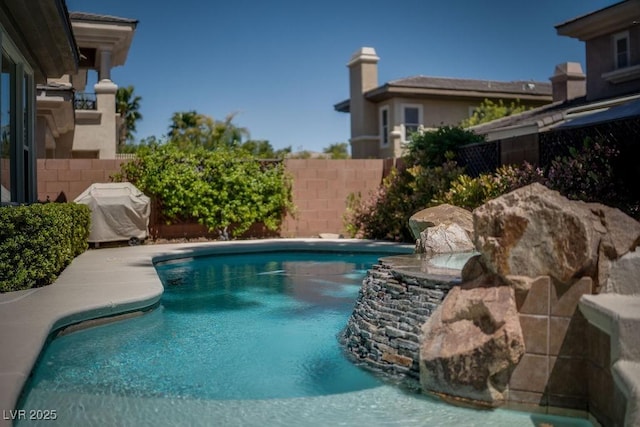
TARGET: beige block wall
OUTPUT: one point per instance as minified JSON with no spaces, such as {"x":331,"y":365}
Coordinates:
{"x":320,"y":187}
{"x":72,"y":176}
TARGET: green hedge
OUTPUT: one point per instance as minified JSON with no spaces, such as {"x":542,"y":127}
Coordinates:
{"x":38,"y":241}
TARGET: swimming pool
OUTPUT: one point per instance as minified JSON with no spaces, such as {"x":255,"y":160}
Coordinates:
{"x":242,"y":340}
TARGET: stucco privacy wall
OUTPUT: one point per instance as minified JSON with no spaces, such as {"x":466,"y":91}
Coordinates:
{"x":320,"y":187}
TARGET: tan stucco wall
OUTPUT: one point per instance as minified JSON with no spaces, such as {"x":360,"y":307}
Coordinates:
{"x":362,"y":77}
{"x":435,"y":113}
{"x":600,"y":59}
{"x":365,"y":148}
{"x":97,"y":132}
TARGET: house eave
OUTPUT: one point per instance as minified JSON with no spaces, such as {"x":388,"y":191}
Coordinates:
{"x":386,"y":92}
{"x":605,"y":21}
{"x":343,"y":106}
{"x":41,"y":30}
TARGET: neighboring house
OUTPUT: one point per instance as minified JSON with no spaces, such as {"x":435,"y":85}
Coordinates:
{"x":612,"y":41}
{"x":37,"y":43}
{"x":383,"y":117}
{"x":72,"y":123}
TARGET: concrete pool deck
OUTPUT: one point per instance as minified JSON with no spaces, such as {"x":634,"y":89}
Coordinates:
{"x":107,"y":282}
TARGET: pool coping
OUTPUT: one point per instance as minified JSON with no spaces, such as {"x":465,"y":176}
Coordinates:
{"x":108,"y":282}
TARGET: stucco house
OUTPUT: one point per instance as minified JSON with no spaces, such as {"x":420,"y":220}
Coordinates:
{"x":383,"y":116}
{"x":612,"y":93}
{"x":37,"y":44}
{"x":74,"y":123}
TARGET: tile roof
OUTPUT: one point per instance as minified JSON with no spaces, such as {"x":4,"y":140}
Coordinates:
{"x":425,"y":86}
{"x":517,"y":87}
{"x":575,"y":112}
{"x":92,"y":17}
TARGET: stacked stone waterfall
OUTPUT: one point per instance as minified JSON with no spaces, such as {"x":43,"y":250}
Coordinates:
{"x":471,"y":343}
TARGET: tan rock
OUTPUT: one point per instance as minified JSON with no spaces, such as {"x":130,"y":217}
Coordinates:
{"x":444,"y":238}
{"x":534,"y":231}
{"x":473,"y":268}
{"x":441,"y":214}
{"x":472,"y":343}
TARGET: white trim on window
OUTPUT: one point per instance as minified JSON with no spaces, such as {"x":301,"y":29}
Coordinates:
{"x":383,"y":117}
{"x":621,"y":50}
{"x":411,"y":124}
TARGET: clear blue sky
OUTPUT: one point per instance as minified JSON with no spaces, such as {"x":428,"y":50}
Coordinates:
{"x":281,"y":65}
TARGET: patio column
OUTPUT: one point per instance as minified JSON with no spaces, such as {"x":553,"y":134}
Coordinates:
{"x":105,"y":65}
{"x":105,"y":134}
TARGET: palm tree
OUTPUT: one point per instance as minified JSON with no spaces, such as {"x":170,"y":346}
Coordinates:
{"x":225,"y":133}
{"x":128,"y":106}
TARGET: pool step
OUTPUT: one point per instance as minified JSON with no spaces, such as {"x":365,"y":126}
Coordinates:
{"x":619,"y":316}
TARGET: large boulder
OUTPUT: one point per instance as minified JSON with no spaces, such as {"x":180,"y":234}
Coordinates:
{"x":534,"y":231}
{"x":441,"y":214}
{"x":472,"y":343}
{"x":444,"y":238}
{"x":442,"y":229}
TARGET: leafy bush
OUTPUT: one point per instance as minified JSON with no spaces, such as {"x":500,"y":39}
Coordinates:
{"x":403,"y":192}
{"x":433,"y":148}
{"x":221,"y":188}
{"x":38,"y":241}
{"x":469,"y":193}
{"x":586,"y":173}
{"x":431,"y":169}
{"x":488,"y":111}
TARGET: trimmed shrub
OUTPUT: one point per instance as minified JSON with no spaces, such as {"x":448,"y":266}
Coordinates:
{"x":38,"y":241}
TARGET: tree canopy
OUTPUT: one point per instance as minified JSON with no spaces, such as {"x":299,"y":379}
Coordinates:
{"x":489,"y":111}
{"x":192,"y":129}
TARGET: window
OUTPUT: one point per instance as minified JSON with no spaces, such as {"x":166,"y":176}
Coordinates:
{"x":7,"y":79}
{"x":621,"y":49}
{"x":17,"y":116}
{"x":384,"y":126}
{"x":412,"y":115}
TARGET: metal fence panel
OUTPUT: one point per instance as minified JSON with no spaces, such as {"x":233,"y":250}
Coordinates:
{"x":479,"y":158}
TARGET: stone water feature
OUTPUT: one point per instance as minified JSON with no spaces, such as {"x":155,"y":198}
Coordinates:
{"x":509,"y":327}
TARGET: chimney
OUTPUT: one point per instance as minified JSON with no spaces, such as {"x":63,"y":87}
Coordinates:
{"x":363,"y":76}
{"x":568,"y":82}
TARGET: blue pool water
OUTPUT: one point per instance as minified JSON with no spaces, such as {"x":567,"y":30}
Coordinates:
{"x":238,"y":340}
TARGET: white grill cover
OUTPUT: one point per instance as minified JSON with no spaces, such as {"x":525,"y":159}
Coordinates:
{"x":119,"y":211}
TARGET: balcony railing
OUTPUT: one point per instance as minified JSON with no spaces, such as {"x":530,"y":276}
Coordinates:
{"x":85,"y":101}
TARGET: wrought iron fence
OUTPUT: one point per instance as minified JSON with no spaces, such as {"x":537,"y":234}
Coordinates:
{"x":479,"y":158}
{"x":85,"y":101}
